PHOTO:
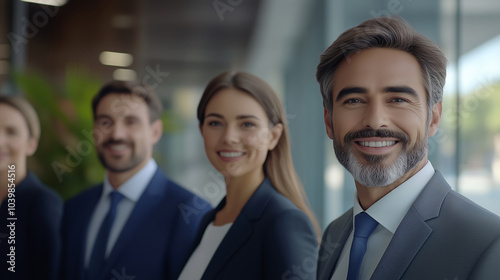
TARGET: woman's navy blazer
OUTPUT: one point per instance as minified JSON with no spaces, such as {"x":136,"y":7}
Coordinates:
{"x":270,"y":239}
{"x":35,"y":235}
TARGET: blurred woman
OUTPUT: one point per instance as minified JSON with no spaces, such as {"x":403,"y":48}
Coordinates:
{"x":30,"y":213}
{"x":263,"y":228}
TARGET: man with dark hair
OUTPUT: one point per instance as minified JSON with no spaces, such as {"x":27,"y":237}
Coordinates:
{"x":382,"y":87}
{"x":137,"y":223}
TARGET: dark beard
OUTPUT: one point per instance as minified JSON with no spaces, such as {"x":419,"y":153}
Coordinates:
{"x":134,"y":161}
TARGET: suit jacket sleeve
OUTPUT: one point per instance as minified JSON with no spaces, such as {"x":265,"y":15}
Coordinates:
{"x":290,"y":248}
{"x":488,"y":266}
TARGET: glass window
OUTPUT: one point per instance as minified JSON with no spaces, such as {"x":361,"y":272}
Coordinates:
{"x":478,"y":89}
{"x":466,"y":149}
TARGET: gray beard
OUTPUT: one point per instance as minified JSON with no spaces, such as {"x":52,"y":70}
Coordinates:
{"x":375,"y":173}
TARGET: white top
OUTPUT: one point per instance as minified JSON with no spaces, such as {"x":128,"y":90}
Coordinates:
{"x":203,"y":254}
{"x":388,"y":211}
{"x":132,"y":190}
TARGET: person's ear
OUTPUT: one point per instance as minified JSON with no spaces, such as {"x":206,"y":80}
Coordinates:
{"x":32,"y":146}
{"x":157,"y":130}
{"x":276,"y":133}
{"x":437,"y":110}
{"x":328,"y":124}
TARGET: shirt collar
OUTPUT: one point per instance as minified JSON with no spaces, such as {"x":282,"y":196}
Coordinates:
{"x":133,"y":188}
{"x":390,"y":210}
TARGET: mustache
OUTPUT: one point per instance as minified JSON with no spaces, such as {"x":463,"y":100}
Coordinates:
{"x":383,"y":133}
{"x":115,"y":142}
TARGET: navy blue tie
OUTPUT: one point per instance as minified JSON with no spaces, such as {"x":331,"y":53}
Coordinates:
{"x":97,"y":258}
{"x":364,"y":226}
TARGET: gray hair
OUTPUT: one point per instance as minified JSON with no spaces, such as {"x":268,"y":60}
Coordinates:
{"x":386,"y":32}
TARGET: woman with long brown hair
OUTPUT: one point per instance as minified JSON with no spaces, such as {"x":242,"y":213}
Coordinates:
{"x":263,"y":228}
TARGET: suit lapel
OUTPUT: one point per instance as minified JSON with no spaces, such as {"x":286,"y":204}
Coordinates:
{"x":332,"y":244}
{"x":413,"y":231}
{"x":148,"y":201}
{"x":207,"y":219}
{"x":241,"y":230}
{"x":234,"y":239}
{"x":405,"y":244}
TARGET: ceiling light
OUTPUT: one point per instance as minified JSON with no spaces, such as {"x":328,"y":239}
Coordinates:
{"x":116,"y":59}
{"x":124,"y":75}
{"x":47,"y":2}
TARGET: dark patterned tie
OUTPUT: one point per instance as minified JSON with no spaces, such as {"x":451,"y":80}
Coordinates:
{"x":97,"y":259}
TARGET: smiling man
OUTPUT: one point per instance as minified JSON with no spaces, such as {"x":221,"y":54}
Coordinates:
{"x":382,"y":87}
{"x":138,"y":223}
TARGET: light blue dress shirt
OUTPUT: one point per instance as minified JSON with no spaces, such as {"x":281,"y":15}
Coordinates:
{"x":132,"y":190}
{"x":388,"y":211}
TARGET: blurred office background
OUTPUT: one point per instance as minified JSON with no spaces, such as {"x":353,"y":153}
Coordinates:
{"x":60,"y":52}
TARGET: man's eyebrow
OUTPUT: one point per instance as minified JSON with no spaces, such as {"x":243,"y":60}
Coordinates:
{"x":106,"y":116}
{"x":131,"y":116}
{"x":349,"y":90}
{"x":102,"y":116}
{"x":345,"y":91}
{"x":404,"y":89}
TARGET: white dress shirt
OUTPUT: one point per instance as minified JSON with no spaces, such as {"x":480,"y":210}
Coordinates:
{"x":132,"y":190}
{"x":388,"y":211}
{"x":203,"y":254}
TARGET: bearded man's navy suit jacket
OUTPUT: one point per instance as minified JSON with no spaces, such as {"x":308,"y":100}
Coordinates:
{"x":154,"y":241}
{"x":443,"y":236}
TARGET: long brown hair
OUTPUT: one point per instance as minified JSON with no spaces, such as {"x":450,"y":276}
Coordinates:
{"x":278,"y":165}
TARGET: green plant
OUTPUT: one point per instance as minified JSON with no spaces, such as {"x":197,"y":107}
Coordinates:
{"x":65,"y":159}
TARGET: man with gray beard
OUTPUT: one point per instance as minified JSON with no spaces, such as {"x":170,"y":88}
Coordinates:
{"x":382,"y":87}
